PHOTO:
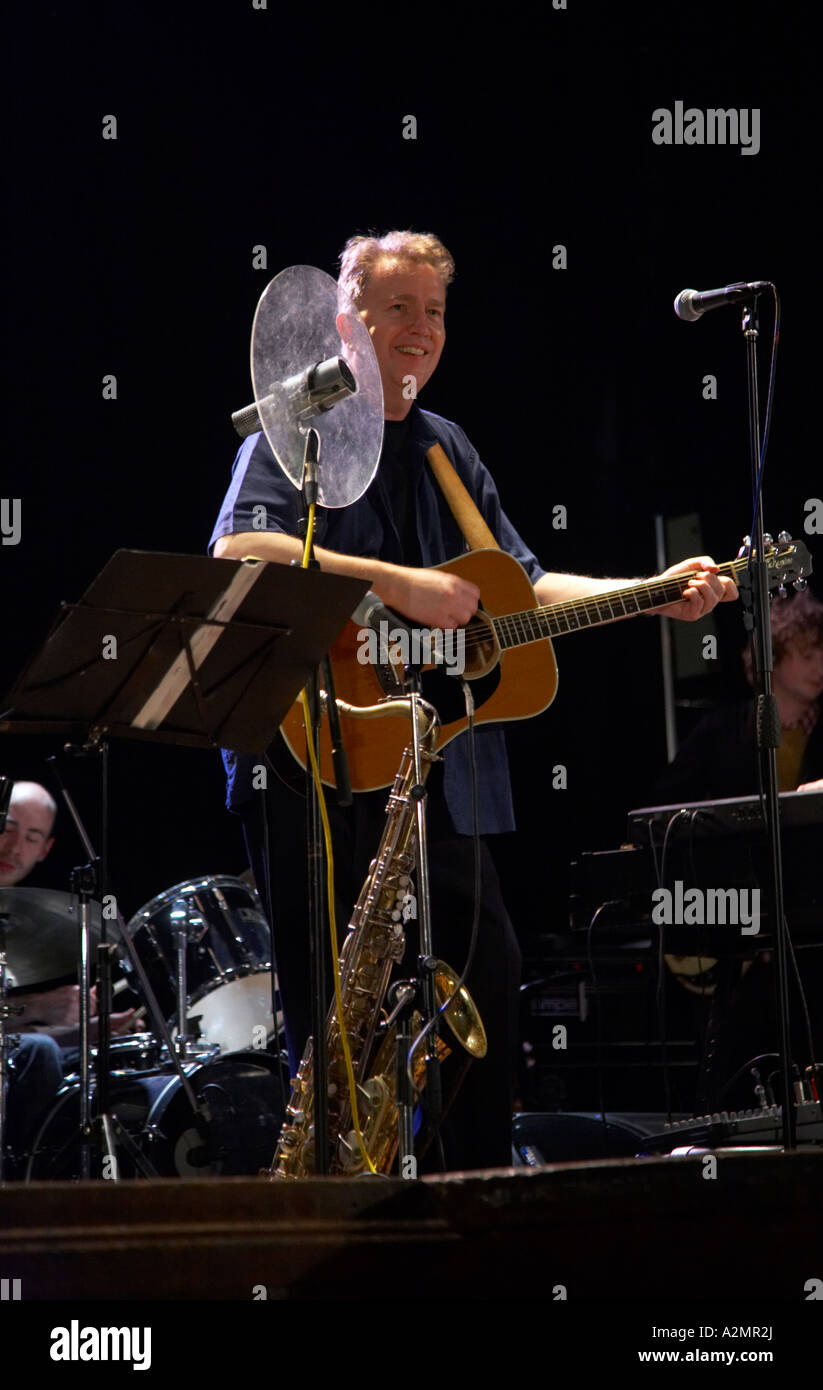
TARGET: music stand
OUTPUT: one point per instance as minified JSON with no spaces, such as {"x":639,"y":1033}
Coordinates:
{"x":180,"y":649}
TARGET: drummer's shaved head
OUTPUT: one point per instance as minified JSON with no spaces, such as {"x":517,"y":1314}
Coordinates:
{"x":34,"y":792}
{"x":362,"y":253}
{"x":27,"y":838}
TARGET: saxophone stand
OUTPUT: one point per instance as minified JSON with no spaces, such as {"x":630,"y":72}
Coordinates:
{"x":405,"y":993}
{"x":427,"y":961}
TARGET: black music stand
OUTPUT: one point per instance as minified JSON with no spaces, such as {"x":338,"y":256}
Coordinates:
{"x":180,"y":649}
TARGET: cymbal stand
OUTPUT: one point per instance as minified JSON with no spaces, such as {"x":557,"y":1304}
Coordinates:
{"x":108,"y":1124}
{"x":84,"y":884}
{"x":6,"y":1010}
{"x":179,"y":915}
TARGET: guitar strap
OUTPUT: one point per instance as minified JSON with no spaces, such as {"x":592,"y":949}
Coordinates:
{"x":461,"y":504}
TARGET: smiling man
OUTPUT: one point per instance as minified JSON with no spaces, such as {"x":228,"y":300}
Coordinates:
{"x":393,"y":536}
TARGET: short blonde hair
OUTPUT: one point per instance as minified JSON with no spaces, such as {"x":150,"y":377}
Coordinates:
{"x":361,"y":254}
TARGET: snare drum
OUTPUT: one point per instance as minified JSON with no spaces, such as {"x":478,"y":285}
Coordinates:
{"x":245,"y":1099}
{"x":228,"y":959}
{"x":136,"y":1053}
{"x":129,"y":1053}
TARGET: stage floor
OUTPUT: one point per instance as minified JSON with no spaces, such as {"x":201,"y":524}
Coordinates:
{"x":748,"y":1226}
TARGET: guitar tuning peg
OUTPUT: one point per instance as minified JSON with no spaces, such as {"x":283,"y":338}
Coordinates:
{"x":784,"y":537}
{"x":782,"y":590}
{"x":745,"y":547}
{"x":800,"y":585}
{"x":767,"y":538}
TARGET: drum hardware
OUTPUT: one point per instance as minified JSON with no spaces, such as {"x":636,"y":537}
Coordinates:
{"x":206,"y":948}
{"x":7,"y":1041}
{"x":133,"y":1054}
{"x":42,"y":935}
{"x":184,"y":931}
{"x":103,"y":1127}
{"x":241,"y":1093}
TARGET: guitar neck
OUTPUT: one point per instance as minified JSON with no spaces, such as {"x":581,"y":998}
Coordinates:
{"x":554,"y":619}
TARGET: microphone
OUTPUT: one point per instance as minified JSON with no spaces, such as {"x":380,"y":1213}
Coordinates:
{"x":372,"y":612}
{"x":317,"y":389}
{"x":690,"y":304}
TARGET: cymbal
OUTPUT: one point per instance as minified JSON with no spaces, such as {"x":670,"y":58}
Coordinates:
{"x":299,"y":323}
{"x":42,"y":934}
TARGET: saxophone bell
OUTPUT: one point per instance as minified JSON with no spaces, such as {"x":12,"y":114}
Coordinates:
{"x":460,"y":1011}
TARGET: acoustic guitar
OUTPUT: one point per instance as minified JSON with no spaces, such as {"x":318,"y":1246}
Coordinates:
{"x":509,"y":657}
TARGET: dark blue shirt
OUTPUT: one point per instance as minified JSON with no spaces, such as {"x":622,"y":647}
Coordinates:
{"x":261,"y":497}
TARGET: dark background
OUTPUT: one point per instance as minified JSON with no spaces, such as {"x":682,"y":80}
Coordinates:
{"x":239,"y":127}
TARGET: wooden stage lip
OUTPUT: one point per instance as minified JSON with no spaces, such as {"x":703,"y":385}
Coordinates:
{"x":633,"y":1229}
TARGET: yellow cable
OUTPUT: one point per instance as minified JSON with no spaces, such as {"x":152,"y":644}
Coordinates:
{"x":318,"y":784}
{"x":304,"y":563}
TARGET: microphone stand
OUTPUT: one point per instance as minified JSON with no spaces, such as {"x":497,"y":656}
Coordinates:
{"x":315,"y":842}
{"x":767,"y":722}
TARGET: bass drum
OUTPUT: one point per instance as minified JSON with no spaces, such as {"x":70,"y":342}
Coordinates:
{"x":246,"y":1100}
{"x":228,"y":959}
{"x":245,"y":1095}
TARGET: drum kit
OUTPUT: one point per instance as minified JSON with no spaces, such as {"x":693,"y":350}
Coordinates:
{"x":211,"y":935}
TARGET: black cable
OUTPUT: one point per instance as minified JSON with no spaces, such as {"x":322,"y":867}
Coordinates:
{"x":801,"y":991}
{"x":612,"y":902}
{"x":761,"y":1057}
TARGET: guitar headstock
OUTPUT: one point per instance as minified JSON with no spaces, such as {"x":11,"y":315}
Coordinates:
{"x":787,"y":561}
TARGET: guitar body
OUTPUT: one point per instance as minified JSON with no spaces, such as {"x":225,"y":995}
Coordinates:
{"x":521,"y":683}
{"x":513,"y":683}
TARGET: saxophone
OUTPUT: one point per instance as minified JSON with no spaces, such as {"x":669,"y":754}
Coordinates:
{"x":374,"y":942}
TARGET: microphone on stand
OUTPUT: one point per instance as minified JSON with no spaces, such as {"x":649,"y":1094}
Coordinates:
{"x":372,"y":612}
{"x":317,"y":389}
{"x":690,"y":304}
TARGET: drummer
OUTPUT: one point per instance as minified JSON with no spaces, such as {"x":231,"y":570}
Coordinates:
{"x":51,"y":1017}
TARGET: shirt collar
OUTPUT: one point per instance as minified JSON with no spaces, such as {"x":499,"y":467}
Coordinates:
{"x":807,"y":720}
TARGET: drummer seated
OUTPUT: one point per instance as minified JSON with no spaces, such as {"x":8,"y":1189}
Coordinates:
{"x":48,"y":1020}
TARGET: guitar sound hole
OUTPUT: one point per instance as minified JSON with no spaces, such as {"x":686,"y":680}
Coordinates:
{"x":482,"y":651}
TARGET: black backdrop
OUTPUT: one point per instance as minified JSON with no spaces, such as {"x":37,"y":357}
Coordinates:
{"x":239,"y":127}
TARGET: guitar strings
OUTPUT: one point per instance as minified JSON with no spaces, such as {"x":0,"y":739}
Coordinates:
{"x":667,"y":591}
